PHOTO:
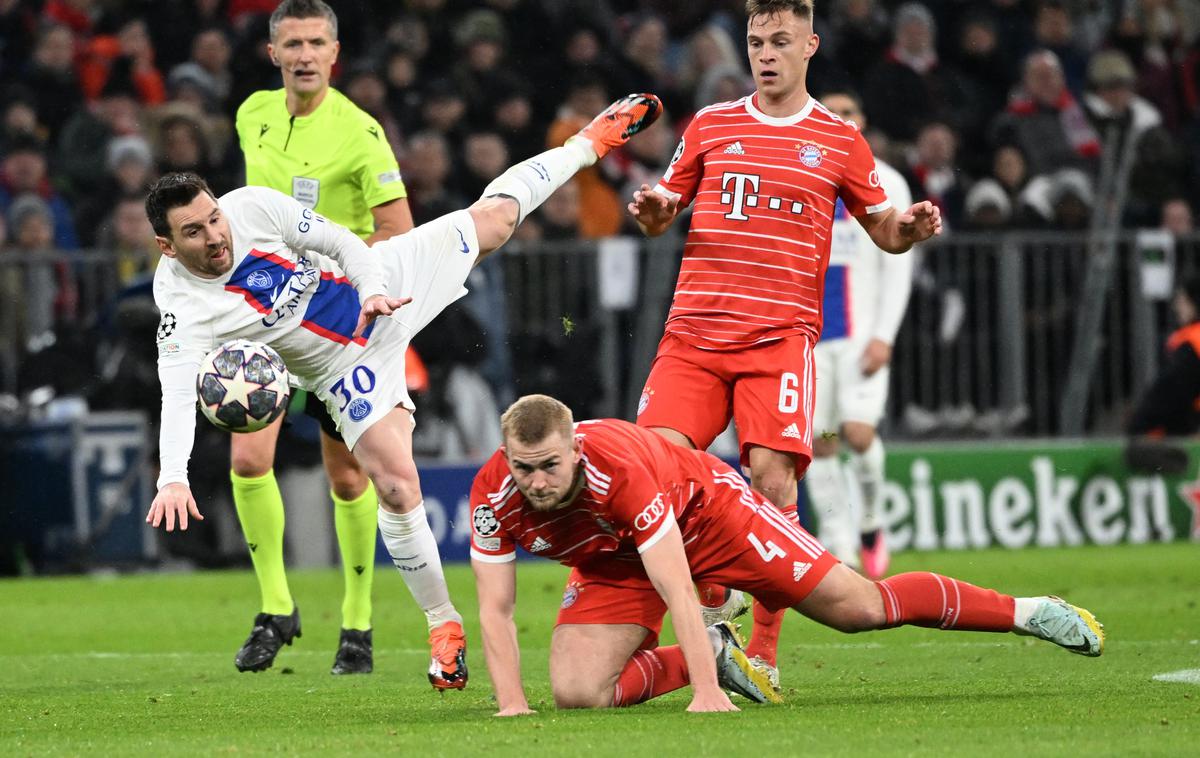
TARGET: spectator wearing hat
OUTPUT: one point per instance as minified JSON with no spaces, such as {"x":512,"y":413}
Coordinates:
{"x":986,"y":207}
{"x":129,"y":170}
{"x":24,"y":172}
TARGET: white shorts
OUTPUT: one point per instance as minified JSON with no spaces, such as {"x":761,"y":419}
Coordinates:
{"x":430,"y":264}
{"x":843,"y":393}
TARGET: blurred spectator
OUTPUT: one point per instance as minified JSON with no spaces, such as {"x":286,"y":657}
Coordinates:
{"x":601,"y":210}
{"x":18,"y":20}
{"x":485,"y":156}
{"x":513,"y":119}
{"x":644,"y":56}
{"x":184,"y":140}
{"x":129,"y":171}
{"x":986,"y":207}
{"x":365,"y":87}
{"x":50,"y":77}
{"x":707,"y":48}
{"x":987,"y":74}
{"x":444,"y":109}
{"x":559,"y":217}
{"x":479,"y":76}
{"x":128,"y":235}
{"x":1010,"y":170}
{"x":1171,"y":404}
{"x":1157,"y":35}
{"x":861,"y":34}
{"x":1054,"y":30}
{"x":403,"y":94}
{"x":47,"y":292}
{"x":1176,"y":217}
{"x":24,"y":173}
{"x":129,"y":53}
{"x":1045,"y":121}
{"x":86,"y":135}
{"x":21,"y":117}
{"x":1132,"y":122}
{"x":189,"y":83}
{"x":1060,"y":200}
{"x":76,"y":15}
{"x":174,"y":24}
{"x":721,"y":84}
{"x":211,"y":51}
{"x":426,"y":166}
{"x":932,"y":172}
{"x":909,"y":86}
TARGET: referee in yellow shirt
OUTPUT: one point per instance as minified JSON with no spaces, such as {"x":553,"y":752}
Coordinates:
{"x":309,"y":141}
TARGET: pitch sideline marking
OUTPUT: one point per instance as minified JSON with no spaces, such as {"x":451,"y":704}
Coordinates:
{"x":1183,"y":676}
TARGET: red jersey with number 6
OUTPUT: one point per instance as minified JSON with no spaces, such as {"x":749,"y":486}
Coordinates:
{"x":764,"y":189}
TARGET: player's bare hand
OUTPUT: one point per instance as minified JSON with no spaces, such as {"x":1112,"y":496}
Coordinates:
{"x":876,"y":355}
{"x":374,"y":307}
{"x":514,"y":710}
{"x":711,"y":701}
{"x":653,"y":211}
{"x":173,"y":501}
{"x":920,"y":222}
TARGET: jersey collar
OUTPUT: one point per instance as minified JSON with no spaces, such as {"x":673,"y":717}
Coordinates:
{"x":791,"y":120}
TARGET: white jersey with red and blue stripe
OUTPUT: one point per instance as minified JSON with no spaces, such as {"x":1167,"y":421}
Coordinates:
{"x":295,"y":284}
{"x":866,"y":289}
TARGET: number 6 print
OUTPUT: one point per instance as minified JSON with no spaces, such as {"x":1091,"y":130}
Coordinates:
{"x":789,"y":393}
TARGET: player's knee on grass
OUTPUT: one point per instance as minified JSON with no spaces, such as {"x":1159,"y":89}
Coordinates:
{"x":495,"y":220}
{"x":857,"y":435}
{"x":576,"y":693}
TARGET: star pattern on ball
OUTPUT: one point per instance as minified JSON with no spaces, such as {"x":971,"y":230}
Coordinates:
{"x":237,"y":389}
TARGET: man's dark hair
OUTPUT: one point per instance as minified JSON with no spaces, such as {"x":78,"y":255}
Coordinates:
{"x":802,"y":8}
{"x":302,"y":9}
{"x":172,"y":191}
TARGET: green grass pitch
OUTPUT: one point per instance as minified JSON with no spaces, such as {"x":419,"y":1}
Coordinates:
{"x":144,"y":666}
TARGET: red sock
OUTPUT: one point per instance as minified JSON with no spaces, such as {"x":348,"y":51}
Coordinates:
{"x":711,"y":595}
{"x":650,"y":673}
{"x":924,"y":599}
{"x":764,"y":639}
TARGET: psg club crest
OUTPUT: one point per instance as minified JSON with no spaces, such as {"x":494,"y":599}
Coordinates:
{"x":811,"y":154}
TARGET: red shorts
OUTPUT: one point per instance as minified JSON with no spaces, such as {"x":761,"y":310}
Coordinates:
{"x":767,"y":389}
{"x":744,"y":543}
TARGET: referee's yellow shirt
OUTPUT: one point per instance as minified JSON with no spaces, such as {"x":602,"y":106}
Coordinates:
{"x":335,"y":160}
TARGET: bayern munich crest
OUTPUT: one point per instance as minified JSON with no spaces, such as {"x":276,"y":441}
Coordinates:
{"x":811,"y":155}
{"x":570,"y":595}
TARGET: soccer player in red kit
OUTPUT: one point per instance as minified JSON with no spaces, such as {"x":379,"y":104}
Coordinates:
{"x":764,"y":174}
{"x":638,"y":518}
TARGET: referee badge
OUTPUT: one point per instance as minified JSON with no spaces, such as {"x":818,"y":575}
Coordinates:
{"x":307,"y":191}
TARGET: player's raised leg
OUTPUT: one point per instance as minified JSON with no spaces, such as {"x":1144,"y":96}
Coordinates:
{"x":259,"y":505}
{"x":531,"y":181}
{"x":385,"y":451}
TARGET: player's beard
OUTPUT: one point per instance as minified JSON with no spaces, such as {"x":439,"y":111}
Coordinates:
{"x":572,"y":493}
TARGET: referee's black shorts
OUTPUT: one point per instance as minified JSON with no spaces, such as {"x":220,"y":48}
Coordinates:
{"x":314,"y":408}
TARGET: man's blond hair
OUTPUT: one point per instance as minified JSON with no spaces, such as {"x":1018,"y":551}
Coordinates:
{"x":802,"y":8}
{"x":533,"y":418}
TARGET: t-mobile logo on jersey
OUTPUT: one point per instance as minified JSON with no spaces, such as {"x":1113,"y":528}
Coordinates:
{"x":741,"y":192}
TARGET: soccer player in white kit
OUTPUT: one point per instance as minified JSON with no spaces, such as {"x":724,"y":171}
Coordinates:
{"x":257,"y":265}
{"x":866,"y":295}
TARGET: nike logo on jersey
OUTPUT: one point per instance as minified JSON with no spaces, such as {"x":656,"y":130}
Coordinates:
{"x":263,"y":130}
{"x":373,"y":132}
{"x":463,"y":240}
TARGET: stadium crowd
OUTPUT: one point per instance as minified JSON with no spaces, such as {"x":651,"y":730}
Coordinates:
{"x":999,"y":111}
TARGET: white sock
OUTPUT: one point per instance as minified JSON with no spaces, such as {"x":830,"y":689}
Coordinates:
{"x":715,"y":639}
{"x":827,"y":497}
{"x":1023,"y":608}
{"x":531,"y":181}
{"x":868,"y":470}
{"x":414,"y":551}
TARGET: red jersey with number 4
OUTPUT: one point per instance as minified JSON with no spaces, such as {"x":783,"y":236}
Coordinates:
{"x":764,"y":190}
{"x":636,"y":484}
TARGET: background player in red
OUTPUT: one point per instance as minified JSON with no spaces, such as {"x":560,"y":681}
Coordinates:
{"x":637,"y":518}
{"x":764,"y":173}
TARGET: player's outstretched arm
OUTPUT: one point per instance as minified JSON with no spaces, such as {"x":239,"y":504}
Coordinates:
{"x":666,"y":565}
{"x":895,"y":231}
{"x":496,"y":584}
{"x":653,"y":211}
{"x":173,"y":501}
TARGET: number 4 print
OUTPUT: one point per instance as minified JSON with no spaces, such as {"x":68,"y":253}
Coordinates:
{"x":769,"y":552}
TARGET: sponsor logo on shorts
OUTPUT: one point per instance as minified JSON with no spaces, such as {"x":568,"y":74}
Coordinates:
{"x":259,"y":279}
{"x":799,"y":569}
{"x":488,"y":543}
{"x":570,"y":595}
{"x":644,"y":401}
{"x":791,"y":430}
{"x":483,"y":518}
{"x":359,"y":409}
{"x":649,"y":515}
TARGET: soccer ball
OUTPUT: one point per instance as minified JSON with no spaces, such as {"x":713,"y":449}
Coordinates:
{"x":243,"y":386}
